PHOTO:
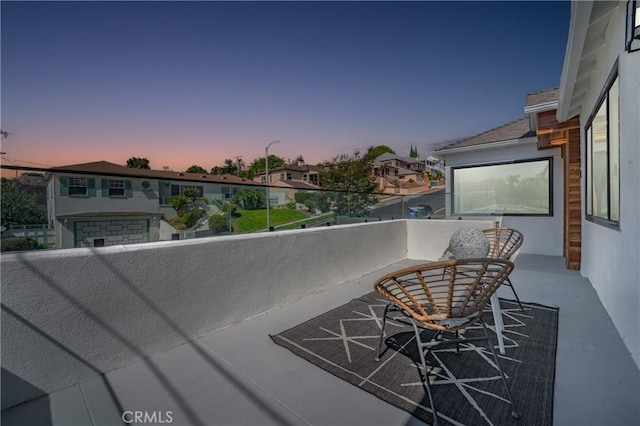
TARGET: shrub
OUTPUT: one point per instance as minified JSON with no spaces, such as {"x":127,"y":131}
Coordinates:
{"x":291,"y":205}
{"x":230,"y":208}
{"x":179,"y":203}
{"x":218,"y":223}
{"x":186,"y":220}
{"x":176,"y":222}
{"x":308,"y":203}
{"x":189,"y":219}
{"x":19,"y":243}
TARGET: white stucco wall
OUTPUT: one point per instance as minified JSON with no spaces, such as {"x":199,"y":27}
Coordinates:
{"x":69,"y":314}
{"x":428,"y":239}
{"x":542,"y":234}
{"x":610,"y":257}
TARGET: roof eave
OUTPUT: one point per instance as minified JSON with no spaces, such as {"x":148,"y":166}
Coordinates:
{"x":499,"y":144}
{"x":580,"y":15}
{"x":546,"y":106}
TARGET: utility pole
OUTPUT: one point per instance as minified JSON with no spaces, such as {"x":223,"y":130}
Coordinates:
{"x":239,"y":164}
{"x":266,"y":167}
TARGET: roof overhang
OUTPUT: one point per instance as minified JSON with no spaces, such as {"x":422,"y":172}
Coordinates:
{"x":589,"y":21}
{"x":490,"y":145}
{"x":546,"y":106}
{"x":107,"y":215}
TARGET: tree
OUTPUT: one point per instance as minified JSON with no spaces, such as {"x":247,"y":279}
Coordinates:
{"x":413,"y":153}
{"x":258,"y":165}
{"x":351,"y":176}
{"x":193,"y":197}
{"x":374,"y":152}
{"x":19,"y":205}
{"x":138,"y":163}
{"x":179,"y":203}
{"x":228,"y":168}
{"x":250,"y":199}
{"x":196,"y":169}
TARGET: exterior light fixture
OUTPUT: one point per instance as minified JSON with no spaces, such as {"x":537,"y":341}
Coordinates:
{"x":266,"y":168}
{"x":632,"y":39}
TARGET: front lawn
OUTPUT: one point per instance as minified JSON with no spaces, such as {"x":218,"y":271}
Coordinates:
{"x":254,"y":220}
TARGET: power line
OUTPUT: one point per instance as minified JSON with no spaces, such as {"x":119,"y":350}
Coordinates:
{"x":16,"y":160}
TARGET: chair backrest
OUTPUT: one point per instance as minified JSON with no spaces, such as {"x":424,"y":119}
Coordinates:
{"x":505,"y":242}
{"x":445,"y":295}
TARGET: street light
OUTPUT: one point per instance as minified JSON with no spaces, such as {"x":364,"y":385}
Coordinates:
{"x":266,"y":165}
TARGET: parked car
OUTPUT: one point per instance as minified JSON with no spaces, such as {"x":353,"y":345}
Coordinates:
{"x":420,"y":211}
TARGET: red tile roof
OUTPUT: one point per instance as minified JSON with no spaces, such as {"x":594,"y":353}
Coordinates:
{"x":111,"y":169}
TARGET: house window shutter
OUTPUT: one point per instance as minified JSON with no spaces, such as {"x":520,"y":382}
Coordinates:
{"x":64,"y":186}
{"x":91,"y":187}
{"x":105,"y":187}
{"x":128,"y":192}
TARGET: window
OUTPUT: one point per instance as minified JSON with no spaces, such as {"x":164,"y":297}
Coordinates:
{"x":282,"y":176}
{"x":515,"y":188}
{"x":116,"y":188}
{"x":77,"y":186}
{"x":226,"y":191}
{"x":632,"y":38}
{"x":179,"y":189}
{"x":263,"y":179}
{"x":603,"y":157}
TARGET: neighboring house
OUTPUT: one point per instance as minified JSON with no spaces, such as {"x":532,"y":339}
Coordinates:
{"x":300,"y":172}
{"x":502,"y":172}
{"x":433,"y":165}
{"x":101,"y":203}
{"x":284,"y":191}
{"x":600,"y":88}
{"x":393,"y":171}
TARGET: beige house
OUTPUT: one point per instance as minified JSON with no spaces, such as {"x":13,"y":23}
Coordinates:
{"x":393,"y":171}
{"x":305,"y":173}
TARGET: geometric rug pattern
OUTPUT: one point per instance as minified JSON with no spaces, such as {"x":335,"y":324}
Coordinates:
{"x":466,"y":387}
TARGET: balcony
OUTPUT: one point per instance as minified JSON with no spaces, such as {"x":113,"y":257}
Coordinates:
{"x":184,"y":327}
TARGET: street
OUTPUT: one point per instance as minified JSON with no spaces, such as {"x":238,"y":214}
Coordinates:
{"x":399,"y":207}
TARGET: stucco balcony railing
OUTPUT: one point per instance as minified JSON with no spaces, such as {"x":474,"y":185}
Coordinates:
{"x":184,"y":325}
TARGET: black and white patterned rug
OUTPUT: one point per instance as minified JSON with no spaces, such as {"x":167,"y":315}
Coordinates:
{"x":467,"y":387}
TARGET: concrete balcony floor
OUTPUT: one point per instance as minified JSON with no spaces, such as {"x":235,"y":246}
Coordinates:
{"x":237,"y":375}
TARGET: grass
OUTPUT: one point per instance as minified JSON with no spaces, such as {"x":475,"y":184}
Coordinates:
{"x":254,"y":220}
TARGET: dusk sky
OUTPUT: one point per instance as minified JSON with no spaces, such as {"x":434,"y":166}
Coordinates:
{"x":185,"y":83}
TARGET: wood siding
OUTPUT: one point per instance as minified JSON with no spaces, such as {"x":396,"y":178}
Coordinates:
{"x":572,"y":200}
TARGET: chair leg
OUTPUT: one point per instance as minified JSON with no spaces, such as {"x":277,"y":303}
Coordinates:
{"x":384,"y":322}
{"x":508,"y":282}
{"x":514,"y":411}
{"x":423,"y":360}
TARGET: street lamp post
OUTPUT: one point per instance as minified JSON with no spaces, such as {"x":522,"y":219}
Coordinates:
{"x":266,"y":165}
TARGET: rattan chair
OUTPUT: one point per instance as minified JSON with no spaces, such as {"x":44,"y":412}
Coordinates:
{"x":443,"y":296}
{"x":504,"y":243}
